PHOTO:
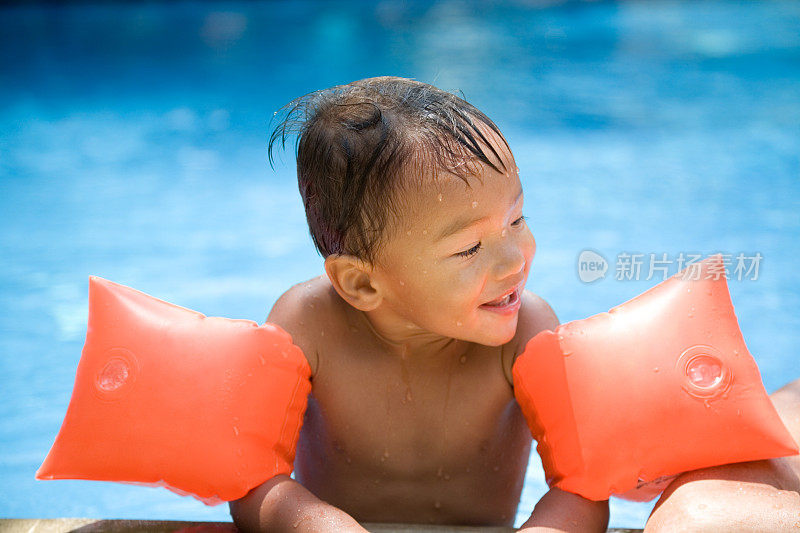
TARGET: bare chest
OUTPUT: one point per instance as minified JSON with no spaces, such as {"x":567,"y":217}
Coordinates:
{"x":403,"y":418}
{"x":446,"y":439}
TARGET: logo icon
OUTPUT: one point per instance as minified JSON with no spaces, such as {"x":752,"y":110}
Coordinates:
{"x":591,"y":266}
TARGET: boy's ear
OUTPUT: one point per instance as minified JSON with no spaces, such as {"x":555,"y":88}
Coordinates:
{"x":352,"y":279}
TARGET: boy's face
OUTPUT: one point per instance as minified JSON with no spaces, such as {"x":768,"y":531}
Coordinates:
{"x":457,"y":263}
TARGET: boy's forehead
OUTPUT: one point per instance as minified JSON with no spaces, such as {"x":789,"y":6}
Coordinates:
{"x":430,"y":195}
{"x":436,"y":200}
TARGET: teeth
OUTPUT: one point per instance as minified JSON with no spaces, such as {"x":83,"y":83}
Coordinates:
{"x":505,"y":301}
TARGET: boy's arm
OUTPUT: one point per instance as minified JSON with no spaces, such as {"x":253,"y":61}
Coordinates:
{"x":557,"y":510}
{"x":753,"y":496}
{"x":283,"y":504}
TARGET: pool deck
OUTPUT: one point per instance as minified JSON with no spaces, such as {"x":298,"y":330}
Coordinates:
{"x":89,"y":525}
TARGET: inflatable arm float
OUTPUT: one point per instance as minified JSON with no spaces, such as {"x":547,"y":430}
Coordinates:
{"x":623,"y":401}
{"x":619,"y":402}
{"x":164,"y":396}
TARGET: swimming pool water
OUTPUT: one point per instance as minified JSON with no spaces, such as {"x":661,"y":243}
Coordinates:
{"x":133,"y":146}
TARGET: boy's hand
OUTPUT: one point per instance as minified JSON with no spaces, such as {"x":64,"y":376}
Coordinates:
{"x":283,"y":504}
{"x":559,"y":510}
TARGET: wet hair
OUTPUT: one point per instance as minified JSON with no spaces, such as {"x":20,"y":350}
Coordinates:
{"x":360,"y":145}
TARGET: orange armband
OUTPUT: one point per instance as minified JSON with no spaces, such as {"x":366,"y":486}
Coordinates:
{"x":165,"y":396}
{"x":623,"y":401}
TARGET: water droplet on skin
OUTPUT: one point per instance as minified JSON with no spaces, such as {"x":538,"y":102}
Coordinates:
{"x":463,"y":359}
{"x":504,"y":233}
{"x":402,"y":284}
{"x":408,"y":232}
{"x":690,"y":315}
{"x":424,"y":271}
{"x":424,"y":232}
{"x":439,"y":197}
{"x":439,"y":472}
{"x":656,"y":370}
{"x":235,"y":431}
{"x":458,"y":323}
{"x":567,"y":354}
{"x":311,"y":306}
{"x":321,"y":333}
{"x":736,"y":353}
{"x":688,"y":290}
{"x":409,"y":398}
{"x":474,"y":205}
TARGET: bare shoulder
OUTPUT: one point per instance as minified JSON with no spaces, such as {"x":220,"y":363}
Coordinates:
{"x":303,"y":310}
{"x":535,"y":315}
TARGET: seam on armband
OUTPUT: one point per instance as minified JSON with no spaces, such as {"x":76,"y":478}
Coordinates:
{"x":289,"y":446}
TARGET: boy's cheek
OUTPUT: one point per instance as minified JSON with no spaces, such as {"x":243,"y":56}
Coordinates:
{"x":531,"y":243}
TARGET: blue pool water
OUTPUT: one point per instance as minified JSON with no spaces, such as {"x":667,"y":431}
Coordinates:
{"x":133,"y":146}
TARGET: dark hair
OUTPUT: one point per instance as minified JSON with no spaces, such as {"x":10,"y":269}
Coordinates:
{"x":358,"y":145}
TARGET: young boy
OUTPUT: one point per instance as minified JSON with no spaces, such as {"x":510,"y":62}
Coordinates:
{"x":414,"y":200}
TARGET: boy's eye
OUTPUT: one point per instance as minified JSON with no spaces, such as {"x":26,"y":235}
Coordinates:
{"x":519,"y":221}
{"x":471,"y":251}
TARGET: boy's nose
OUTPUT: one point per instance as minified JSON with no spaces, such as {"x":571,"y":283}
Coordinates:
{"x":510,"y":261}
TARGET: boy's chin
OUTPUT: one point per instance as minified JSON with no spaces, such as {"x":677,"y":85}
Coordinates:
{"x":495,"y":337}
{"x":497,"y":341}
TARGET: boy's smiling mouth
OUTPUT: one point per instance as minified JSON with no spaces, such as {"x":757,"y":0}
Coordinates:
{"x":506,"y":304}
